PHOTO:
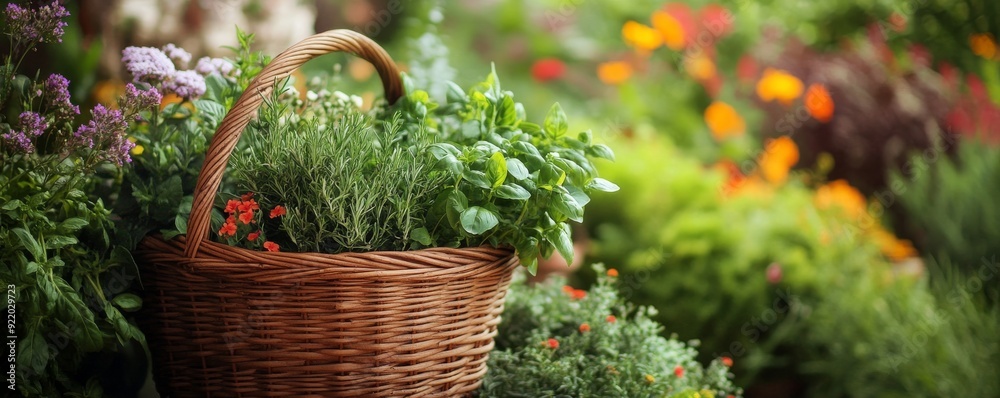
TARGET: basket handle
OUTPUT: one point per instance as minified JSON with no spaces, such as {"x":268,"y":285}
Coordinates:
{"x":229,"y":131}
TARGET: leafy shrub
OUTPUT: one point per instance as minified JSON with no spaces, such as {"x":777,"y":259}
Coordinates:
{"x":558,"y":341}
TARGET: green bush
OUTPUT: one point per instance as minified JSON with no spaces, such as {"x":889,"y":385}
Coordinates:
{"x":552,"y":343}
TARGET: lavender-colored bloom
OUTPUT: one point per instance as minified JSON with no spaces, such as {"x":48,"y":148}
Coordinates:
{"x":57,"y":96}
{"x":187,"y":84}
{"x":214,"y":66}
{"x":137,"y":100}
{"x":44,"y":25}
{"x":147,"y":64}
{"x":180,"y":57}
{"x":32,"y":126}
{"x":106,"y":134}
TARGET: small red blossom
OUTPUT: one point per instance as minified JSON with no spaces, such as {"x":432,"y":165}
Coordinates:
{"x":774,"y":273}
{"x":611,"y":319}
{"x":579,"y":294}
{"x":584,"y":328}
{"x":271,"y":246}
{"x":568,"y":289}
{"x":231,"y":205}
{"x":679,"y":371}
{"x":248,"y":205}
{"x":231,"y":219}
{"x":613,"y":273}
{"x":547,"y":69}
{"x":245,"y":197}
{"x":278,"y":211}
{"x":552,"y":343}
{"x":228,"y":229}
{"x":253,"y":236}
{"x":246,"y":217}
{"x":727,"y":361}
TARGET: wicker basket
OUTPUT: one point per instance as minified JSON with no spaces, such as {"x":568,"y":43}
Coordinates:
{"x":227,"y":321}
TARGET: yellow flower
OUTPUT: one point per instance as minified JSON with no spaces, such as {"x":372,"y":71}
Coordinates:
{"x":778,"y":158}
{"x":723,"y":120}
{"x":137,"y":150}
{"x":706,"y":394}
{"x":841,"y":194}
{"x":777,"y":84}
{"x":983,"y":45}
{"x":699,"y":66}
{"x":641,"y":37}
{"x":650,"y":379}
{"x":614,"y":72}
{"x":670,"y":29}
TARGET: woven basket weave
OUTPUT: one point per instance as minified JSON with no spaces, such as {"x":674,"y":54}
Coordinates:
{"x":227,"y":321}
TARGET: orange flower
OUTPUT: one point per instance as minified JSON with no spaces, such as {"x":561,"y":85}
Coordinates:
{"x":247,"y":196}
{"x":892,"y":247}
{"x":777,"y":84}
{"x":231,"y":205}
{"x":568,"y":289}
{"x":253,"y":236}
{"x":231,"y":219}
{"x":227,"y":229}
{"x":723,"y":120}
{"x":271,"y":246}
{"x":611,"y":319}
{"x":983,"y":45}
{"x":584,"y":328}
{"x":670,"y":30}
{"x":248,"y":205}
{"x":819,"y":103}
{"x":727,"y":361}
{"x":579,"y":294}
{"x":642,"y":37}
{"x":679,"y":371}
{"x":841,"y":194}
{"x":246,"y":217}
{"x":614,"y":72}
{"x":552,"y":343}
{"x":278,"y":211}
{"x":779,"y":157}
{"x":613,"y":273}
{"x":699,"y":66}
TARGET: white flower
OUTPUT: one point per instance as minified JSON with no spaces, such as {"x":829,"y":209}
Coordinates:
{"x":357,"y":101}
{"x":311,"y":95}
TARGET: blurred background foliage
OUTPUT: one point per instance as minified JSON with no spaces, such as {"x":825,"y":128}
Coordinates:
{"x":807,"y":187}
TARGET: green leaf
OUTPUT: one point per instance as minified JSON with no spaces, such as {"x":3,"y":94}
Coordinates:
{"x":451,"y":164}
{"x":517,"y":169}
{"x":476,"y":220}
{"x":512,"y":191}
{"x":455,"y":93}
{"x":11,"y":205}
{"x":471,"y":129}
{"x":561,"y":238}
{"x":456,"y":204}
{"x":29,"y":243}
{"x":525,"y":148}
{"x":565,"y":204}
{"x":59,"y":242}
{"x":477,"y":178}
{"x":581,"y":197}
{"x":506,"y":113}
{"x":442,"y":149}
{"x":496,"y":169}
{"x":181,"y":223}
{"x":33,"y":351}
{"x":602,"y":185}
{"x":555,"y":122}
{"x":128,"y":302}
{"x":421,"y":235}
{"x":586,"y":137}
{"x":72,"y":224}
{"x":211,"y":111}
{"x":601,"y":151}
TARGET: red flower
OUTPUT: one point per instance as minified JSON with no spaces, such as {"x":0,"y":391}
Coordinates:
{"x":253,"y":236}
{"x":246,"y":196}
{"x":584,"y":328}
{"x":679,"y":371}
{"x":547,"y":69}
{"x":613,"y":273}
{"x":552,"y":343}
{"x":611,"y":319}
{"x":717,"y":20}
{"x":248,"y":205}
{"x":727,"y":361}
{"x":774,"y":273}
{"x":271,"y":246}
{"x":228,"y":229}
{"x":568,"y":289}
{"x":579,"y":294}
{"x":746,"y":69}
{"x":231,"y":219}
{"x":278,"y":211}
{"x":247,"y":216}
{"x":231,"y":205}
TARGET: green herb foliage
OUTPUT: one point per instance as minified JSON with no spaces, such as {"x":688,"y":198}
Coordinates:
{"x":624,"y":356}
{"x":510,"y":182}
{"x":346,"y":182}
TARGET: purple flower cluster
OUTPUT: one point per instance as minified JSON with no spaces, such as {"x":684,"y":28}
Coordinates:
{"x":57,"y":96}
{"x":106,"y":133}
{"x":186,"y":84}
{"x":180,"y":57}
{"x":148,"y":64}
{"x":214,"y":66}
{"x":32,"y":126}
{"x":137,"y":100}
{"x":42,"y":25}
